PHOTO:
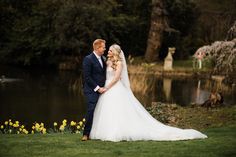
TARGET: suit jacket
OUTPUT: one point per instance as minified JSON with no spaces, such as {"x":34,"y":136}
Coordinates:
{"x":93,"y":73}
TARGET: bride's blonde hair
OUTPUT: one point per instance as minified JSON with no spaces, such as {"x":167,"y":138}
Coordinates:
{"x":116,"y":50}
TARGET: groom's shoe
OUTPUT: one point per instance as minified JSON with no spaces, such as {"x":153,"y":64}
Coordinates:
{"x":85,"y":138}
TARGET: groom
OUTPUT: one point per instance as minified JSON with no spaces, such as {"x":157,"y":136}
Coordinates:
{"x":94,"y":75}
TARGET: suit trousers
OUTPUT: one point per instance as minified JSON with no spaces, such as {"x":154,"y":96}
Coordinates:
{"x":92,"y":99}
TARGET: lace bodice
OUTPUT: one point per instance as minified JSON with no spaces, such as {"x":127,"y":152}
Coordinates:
{"x":110,"y":73}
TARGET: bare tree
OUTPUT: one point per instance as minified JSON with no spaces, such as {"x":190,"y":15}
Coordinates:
{"x":159,"y":24}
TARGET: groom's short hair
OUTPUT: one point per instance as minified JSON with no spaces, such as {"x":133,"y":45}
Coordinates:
{"x":97,"y":43}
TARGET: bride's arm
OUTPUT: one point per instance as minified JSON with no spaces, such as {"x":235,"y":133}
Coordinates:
{"x":116,"y":76}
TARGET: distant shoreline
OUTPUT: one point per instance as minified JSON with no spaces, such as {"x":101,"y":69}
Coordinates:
{"x":176,"y":72}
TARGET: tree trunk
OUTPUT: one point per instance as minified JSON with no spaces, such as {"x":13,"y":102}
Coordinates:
{"x":158,"y":25}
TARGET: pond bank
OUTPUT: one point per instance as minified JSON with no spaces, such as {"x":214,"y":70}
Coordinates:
{"x":193,"y":116}
{"x":176,"y":72}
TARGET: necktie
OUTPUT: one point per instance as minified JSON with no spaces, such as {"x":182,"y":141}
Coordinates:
{"x":100,"y":61}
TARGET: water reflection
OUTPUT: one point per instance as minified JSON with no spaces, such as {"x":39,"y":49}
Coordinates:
{"x":50,"y":96}
{"x":200,"y":95}
{"x":183,"y":91}
{"x":42,"y":96}
{"x":167,"y":88}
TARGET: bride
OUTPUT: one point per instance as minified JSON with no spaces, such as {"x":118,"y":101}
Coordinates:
{"x":120,"y":116}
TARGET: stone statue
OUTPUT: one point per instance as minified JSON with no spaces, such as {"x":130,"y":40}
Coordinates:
{"x":169,"y":59}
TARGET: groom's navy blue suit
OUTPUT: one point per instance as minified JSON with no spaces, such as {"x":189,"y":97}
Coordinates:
{"x":94,"y":75}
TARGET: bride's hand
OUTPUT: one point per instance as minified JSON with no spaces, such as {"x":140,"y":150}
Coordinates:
{"x":105,"y":89}
{"x":101,"y":90}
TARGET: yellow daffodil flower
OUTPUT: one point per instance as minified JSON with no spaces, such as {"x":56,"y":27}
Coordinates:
{"x":42,"y":124}
{"x":62,"y":127}
{"x":37,"y":125}
{"x":15,"y":125}
{"x":44,"y":131}
{"x":64,"y":121}
{"x":72,"y":123}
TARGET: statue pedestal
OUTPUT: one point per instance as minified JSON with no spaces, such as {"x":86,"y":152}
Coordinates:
{"x":168,"y":63}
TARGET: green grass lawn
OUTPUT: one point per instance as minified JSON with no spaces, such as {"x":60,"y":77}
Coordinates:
{"x":180,"y":67}
{"x":221,"y":142}
{"x":187,"y":63}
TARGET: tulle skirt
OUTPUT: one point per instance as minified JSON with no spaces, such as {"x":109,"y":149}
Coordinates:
{"x":120,"y":116}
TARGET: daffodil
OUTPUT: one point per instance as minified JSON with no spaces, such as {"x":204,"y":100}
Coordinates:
{"x":18,"y":132}
{"x":80,"y":123}
{"x":15,"y":125}
{"x":62,"y":127}
{"x":10,"y":123}
{"x":44,"y":131}
{"x":84,"y":120}
{"x":78,"y":127}
{"x":22,"y":126}
{"x":17,"y":122}
{"x":37,"y":125}
{"x":64,"y":121}
{"x":25,"y":131}
{"x":33,"y":127}
{"x":55,"y":123}
{"x":42,"y":124}
{"x":40,"y":129}
{"x":2,"y":126}
{"x":6,"y":123}
{"x":32,"y":132}
{"x":72,"y":123}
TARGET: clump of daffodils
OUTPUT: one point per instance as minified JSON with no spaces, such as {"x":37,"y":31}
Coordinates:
{"x":38,"y":128}
{"x":10,"y":127}
{"x":13,"y":127}
{"x":69,"y":127}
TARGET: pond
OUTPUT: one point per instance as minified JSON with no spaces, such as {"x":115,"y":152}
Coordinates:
{"x":48,"y":95}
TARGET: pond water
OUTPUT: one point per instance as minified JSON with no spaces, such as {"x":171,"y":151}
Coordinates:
{"x":47,"y":96}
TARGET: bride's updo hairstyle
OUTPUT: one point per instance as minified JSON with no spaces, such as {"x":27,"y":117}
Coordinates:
{"x":116,"y":50}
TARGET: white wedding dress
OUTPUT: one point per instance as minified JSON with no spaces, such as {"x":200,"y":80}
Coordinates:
{"x":120,"y":116}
